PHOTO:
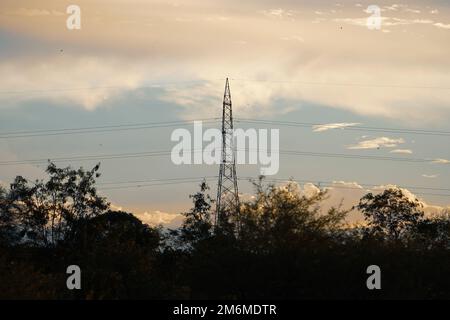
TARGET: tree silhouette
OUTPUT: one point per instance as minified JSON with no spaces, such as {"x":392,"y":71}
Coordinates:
{"x":280,"y":216}
{"x":434,"y":232}
{"x":197,"y":225}
{"x":391,"y":213}
{"x":47,"y":212}
{"x":288,"y":246}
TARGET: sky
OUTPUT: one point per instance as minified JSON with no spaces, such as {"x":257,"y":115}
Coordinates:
{"x":314,"y":62}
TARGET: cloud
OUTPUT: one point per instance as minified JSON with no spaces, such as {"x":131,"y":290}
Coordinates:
{"x":278,"y":13}
{"x":346,"y":184}
{"x":402,"y":151}
{"x":412,"y":10}
{"x":32,"y":12}
{"x":329,"y":126}
{"x":132,"y":55}
{"x":393,"y":7}
{"x":116,"y":207}
{"x":348,"y":194}
{"x":310,"y":190}
{"x":362,"y":22}
{"x":392,"y":22}
{"x":441,"y":161}
{"x":345,"y":193}
{"x":442,"y":25}
{"x":156,"y":218}
{"x":85,"y":81}
{"x":377,"y":143}
{"x":385,"y":21}
{"x":430,"y":176}
{"x":293,"y":38}
{"x":408,"y":194}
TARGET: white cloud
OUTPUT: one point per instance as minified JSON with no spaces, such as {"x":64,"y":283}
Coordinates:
{"x":412,"y":10}
{"x":32,"y":12}
{"x":442,"y":25}
{"x":348,"y":195}
{"x":411,"y":196}
{"x":293,"y":38}
{"x":402,"y":151}
{"x":392,"y":22}
{"x":310,"y":190}
{"x":393,"y":7}
{"x":157,"y":218}
{"x":320,"y":74}
{"x":441,"y":161}
{"x":352,"y":185}
{"x":362,"y":22}
{"x":85,"y":81}
{"x":430,"y":176}
{"x":218,"y":18}
{"x":278,"y":13}
{"x":377,"y":143}
{"x":345,"y":193}
{"x":329,"y":126}
{"x":116,"y":207}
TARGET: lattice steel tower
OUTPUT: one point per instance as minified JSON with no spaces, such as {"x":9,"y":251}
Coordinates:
{"x":227,"y":187}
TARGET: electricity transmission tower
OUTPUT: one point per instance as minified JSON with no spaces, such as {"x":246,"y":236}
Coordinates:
{"x":227,"y":188}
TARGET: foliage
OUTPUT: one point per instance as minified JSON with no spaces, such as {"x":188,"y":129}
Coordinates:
{"x":281,"y":216}
{"x":197,"y":225}
{"x":391,"y":213}
{"x":287,"y":247}
{"x":47,"y":212}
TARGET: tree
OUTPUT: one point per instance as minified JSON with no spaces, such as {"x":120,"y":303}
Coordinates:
{"x":282,"y":215}
{"x":118,"y":254}
{"x":47,"y":212}
{"x":118,"y":229}
{"x":391,"y":213}
{"x":434,"y":231}
{"x":8,"y":225}
{"x":197,"y":225}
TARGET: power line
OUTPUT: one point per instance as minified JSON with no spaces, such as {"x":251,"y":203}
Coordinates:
{"x":162,"y":183}
{"x":168,"y":152}
{"x":343,"y":84}
{"x":152,"y":125}
{"x":350,"y":156}
{"x":119,"y":185}
{"x":354,"y":128}
{"x":148,"y":86}
{"x":90,"y":157}
{"x":153,"y":180}
{"x":187,"y":82}
{"x":317,"y":181}
{"x":100,"y":129}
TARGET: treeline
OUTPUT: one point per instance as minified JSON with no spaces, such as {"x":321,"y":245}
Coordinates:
{"x":282,"y":245}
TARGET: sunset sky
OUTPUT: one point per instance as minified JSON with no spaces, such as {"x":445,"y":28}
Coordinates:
{"x":143,"y":61}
